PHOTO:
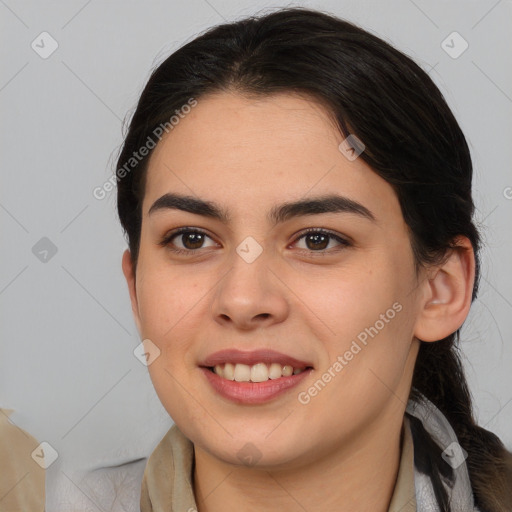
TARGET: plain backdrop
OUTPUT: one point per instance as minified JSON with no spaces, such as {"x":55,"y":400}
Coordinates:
{"x":67,"y":366}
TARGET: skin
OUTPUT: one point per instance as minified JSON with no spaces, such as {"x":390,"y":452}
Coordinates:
{"x":340,"y":451}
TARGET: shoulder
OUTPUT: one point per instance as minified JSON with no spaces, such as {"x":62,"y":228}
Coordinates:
{"x":22,"y":478}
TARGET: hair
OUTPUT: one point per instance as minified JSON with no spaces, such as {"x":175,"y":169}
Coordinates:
{"x":412,"y":141}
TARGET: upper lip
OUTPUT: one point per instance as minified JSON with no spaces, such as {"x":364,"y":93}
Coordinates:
{"x":252,"y":357}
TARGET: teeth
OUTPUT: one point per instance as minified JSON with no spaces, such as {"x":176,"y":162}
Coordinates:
{"x":287,"y":370}
{"x":275,"y":371}
{"x":229,"y":371}
{"x":242,"y":373}
{"x":259,"y":372}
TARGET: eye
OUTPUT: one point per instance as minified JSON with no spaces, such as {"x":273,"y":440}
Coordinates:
{"x":190,"y":240}
{"x":318,"y":240}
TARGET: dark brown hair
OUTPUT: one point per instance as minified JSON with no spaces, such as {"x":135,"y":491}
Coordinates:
{"x":411,"y":139}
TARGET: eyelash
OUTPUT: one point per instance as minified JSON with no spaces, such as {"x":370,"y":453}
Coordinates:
{"x":166,"y":241}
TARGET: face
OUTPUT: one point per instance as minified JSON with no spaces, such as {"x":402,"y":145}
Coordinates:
{"x":259,"y":288}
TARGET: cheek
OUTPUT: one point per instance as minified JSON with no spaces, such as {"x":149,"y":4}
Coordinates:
{"x":350,"y":298}
{"x":367,"y":313}
{"x":169,"y":302}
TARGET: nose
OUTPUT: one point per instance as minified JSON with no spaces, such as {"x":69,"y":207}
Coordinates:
{"x":250,"y":295}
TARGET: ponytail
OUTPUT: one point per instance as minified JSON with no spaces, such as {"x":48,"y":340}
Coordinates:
{"x":439,"y":376}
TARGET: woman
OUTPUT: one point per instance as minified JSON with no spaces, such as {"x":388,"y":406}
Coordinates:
{"x":296,"y":196}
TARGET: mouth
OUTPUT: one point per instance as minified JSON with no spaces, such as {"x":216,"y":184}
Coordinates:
{"x":253,"y":377}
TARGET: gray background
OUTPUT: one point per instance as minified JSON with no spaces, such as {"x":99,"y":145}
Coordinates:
{"x":66,"y":363}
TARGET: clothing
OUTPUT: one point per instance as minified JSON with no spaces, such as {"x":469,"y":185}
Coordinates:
{"x":167,"y":483}
{"x":22,"y":471}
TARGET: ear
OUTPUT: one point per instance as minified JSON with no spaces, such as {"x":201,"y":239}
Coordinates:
{"x":129,"y":274}
{"x":447,"y":294}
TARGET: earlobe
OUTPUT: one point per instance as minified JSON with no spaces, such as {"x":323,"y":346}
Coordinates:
{"x":448,"y":293}
{"x":129,"y":275}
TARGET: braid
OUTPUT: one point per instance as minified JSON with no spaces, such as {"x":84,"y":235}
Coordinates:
{"x":439,"y":375}
{"x":426,"y":459}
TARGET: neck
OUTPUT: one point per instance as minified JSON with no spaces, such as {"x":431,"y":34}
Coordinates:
{"x":360,"y":475}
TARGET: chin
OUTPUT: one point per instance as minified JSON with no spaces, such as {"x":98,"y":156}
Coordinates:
{"x":256,"y":448}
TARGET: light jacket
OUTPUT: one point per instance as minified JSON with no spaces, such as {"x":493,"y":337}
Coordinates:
{"x":168,"y":477}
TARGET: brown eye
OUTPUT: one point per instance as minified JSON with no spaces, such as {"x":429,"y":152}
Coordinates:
{"x":192,"y":240}
{"x":319,"y":240}
{"x":186,"y":240}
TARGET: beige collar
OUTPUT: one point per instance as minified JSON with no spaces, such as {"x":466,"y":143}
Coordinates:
{"x":168,"y":478}
{"x":404,"y":495}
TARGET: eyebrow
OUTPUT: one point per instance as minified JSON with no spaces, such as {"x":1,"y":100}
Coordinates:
{"x":331,"y":203}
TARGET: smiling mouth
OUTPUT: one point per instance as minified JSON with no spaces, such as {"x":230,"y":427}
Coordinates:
{"x":259,"y":372}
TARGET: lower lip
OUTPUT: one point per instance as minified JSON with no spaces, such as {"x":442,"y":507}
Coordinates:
{"x":253,"y":392}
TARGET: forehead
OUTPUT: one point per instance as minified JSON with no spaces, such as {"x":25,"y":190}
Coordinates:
{"x":250,"y":152}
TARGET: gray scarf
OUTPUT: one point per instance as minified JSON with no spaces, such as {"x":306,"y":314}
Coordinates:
{"x":434,"y":438}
